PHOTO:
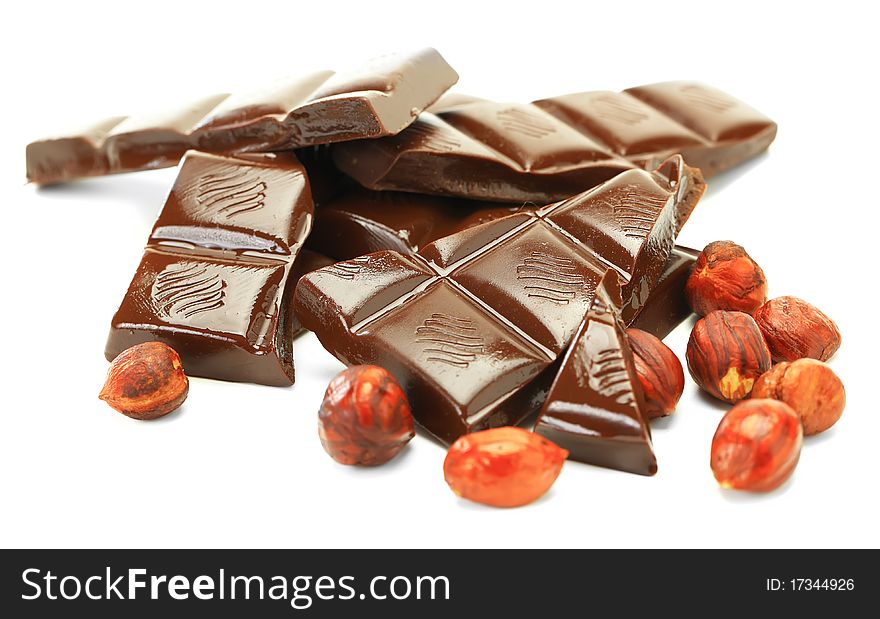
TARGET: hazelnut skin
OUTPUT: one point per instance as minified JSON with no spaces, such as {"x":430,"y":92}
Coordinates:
{"x":365,"y":417}
{"x":503,"y":467}
{"x":659,"y":371}
{"x":794,"y":330}
{"x":726,"y":354}
{"x":810,"y":387}
{"x":757,"y":446}
{"x":146,"y":381}
{"x":725,"y":278}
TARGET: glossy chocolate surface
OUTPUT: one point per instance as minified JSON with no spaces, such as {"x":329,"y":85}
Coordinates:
{"x":553,"y":148}
{"x":472,"y":324}
{"x":214,"y":281}
{"x":361,"y":221}
{"x":595,"y":407}
{"x":380,"y":98}
{"x":667,"y":306}
{"x":306,"y":262}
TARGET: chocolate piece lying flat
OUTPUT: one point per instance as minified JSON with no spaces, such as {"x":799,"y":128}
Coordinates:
{"x":214,"y":282}
{"x":667,"y":307}
{"x":554,"y":148}
{"x":472,"y":323}
{"x":594,"y":408}
{"x":361,"y":221}
{"x":378,"y":99}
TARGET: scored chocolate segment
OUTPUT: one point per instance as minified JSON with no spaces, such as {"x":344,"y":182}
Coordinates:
{"x":214,"y":281}
{"x":548,"y":150}
{"x":471,"y":324}
{"x":731,"y":130}
{"x":595,"y":406}
{"x":361,"y":221}
{"x":380,"y":98}
{"x":487,"y":151}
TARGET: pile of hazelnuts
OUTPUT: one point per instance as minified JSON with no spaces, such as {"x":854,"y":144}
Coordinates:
{"x":765,"y":357}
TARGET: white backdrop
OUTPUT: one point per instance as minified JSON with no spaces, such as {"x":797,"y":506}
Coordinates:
{"x":241,"y":465}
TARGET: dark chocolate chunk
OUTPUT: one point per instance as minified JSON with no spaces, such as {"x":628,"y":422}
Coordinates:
{"x":380,"y":98}
{"x":667,"y":306}
{"x":472,"y":324}
{"x":595,"y":407}
{"x":554,"y":148}
{"x":214,"y":282}
{"x":361,"y":221}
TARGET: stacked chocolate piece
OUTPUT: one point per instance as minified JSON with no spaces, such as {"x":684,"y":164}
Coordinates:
{"x":489,"y":255}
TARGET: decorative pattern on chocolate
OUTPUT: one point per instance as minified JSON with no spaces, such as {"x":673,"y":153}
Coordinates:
{"x":380,"y":98}
{"x":550,"y":277}
{"x":450,"y":340}
{"x":522,"y":122}
{"x":469,"y":337}
{"x":554,"y":148}
{"x":634,"y":209}
{"x":188,"y":289}
{"x":346,"y":270}
{"x":214,"y":290}
{"x":595,"y":406}
{"x":232,"y":193}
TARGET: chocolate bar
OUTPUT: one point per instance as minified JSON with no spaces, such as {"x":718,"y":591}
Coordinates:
{"x":595,"y":406}
{"x":361,"y":221}
{"x":472,"y":323}
{"x":381,"y":98}
{"x":214,"y":281}
{"x":553,"y":148}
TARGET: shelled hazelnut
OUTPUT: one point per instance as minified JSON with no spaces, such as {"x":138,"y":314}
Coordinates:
{"x":810,"y":387}
{"x":146,"y":381}
{"x":659,"y":372}
{"x":725,"y":278}
{"x":365,"y":417}
{"x":503,"y":467}
{"x":756,"y":446}
{"x":726,"y":354}
{"x":794,"y":330}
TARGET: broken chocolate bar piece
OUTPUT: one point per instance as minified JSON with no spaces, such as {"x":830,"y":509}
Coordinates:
{"x":472,"y":324}
{"x":380,"y":98}
{"x":361,"y":221}
{"x":553,"y":148}
{"x":595,"y":406}
{"x":214,"y":282}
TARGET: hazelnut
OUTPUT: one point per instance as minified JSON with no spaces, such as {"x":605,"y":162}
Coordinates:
{"x":503,"y":467}
{"x":794,"y":329}
{"x":725,"y":278}
{"x":146,"y":381}
{"x":365,"y":417}
{"x":756,"y":446}
{"x":659,"y":371}
{"x":810,"y":387}
{"x":726,"y":354}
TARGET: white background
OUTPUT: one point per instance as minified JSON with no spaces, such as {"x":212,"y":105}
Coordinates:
{"x":241,"y":465}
